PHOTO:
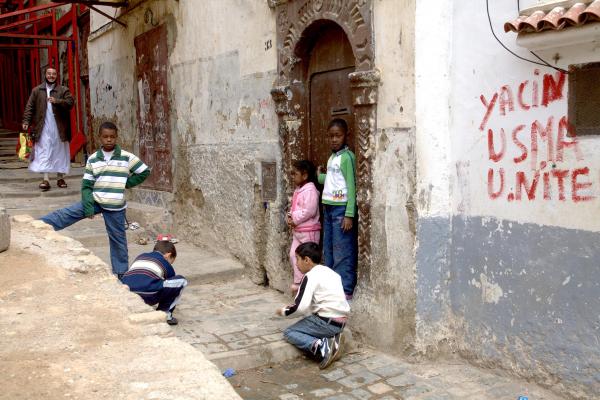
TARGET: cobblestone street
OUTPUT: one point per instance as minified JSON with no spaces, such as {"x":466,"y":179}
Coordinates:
{"x":232,"y":321}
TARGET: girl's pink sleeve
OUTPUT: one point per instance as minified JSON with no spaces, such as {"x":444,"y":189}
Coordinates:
{"x":308,"y":207}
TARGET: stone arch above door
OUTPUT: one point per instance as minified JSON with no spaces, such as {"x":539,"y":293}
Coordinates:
{"x":296,"y":21}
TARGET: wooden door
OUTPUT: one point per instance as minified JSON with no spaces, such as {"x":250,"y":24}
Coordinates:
{"x":330,"y":98}
{"x":331,"y":60}
{"x":154,"y":133}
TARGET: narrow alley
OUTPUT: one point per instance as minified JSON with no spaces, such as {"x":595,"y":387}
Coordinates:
{"x":227,"y":318}
{"x":419,"y":176}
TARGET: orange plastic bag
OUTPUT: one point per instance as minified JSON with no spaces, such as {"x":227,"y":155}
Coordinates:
{"x":25,"y":148}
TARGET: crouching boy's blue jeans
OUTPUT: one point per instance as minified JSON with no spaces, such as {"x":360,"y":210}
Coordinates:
{"x":115,"y":227}
{"x":305,"y":332}
{"x":340,"y":249}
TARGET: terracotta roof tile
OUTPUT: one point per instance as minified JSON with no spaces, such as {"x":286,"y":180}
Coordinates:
{"x":557,"y":19}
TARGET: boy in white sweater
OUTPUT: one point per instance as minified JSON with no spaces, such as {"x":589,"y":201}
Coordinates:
{"x":320,"y":293}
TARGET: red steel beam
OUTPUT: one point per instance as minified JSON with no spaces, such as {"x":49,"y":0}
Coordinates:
{"x":77,"y":77}
{"x":24,"y":46}
{"x":97,"y":3}
{"x":41,"y":37}
{"x":30,"y":10}
{"x":54,"y":61}
{"x":24,"y":22}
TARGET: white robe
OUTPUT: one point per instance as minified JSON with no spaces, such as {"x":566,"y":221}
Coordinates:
{"x":50,"y":154}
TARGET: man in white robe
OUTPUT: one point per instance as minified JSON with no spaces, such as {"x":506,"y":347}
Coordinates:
{"x":48,"y":112}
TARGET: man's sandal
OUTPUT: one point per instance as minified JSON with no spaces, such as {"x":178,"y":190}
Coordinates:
{"x":45,"y":185}
{"x":61,"y":183}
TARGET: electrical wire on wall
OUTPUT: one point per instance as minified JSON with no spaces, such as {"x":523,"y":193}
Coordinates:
{"x":542,"y":62}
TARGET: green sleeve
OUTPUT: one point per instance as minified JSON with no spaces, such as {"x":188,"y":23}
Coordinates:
{"x":321,"y":178}
{"x":87,"y":188}
{"x":347,"y":167}
{"x":136,"y":179}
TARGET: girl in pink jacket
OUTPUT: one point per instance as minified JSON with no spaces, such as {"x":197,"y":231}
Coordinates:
{"x":303,"y":218}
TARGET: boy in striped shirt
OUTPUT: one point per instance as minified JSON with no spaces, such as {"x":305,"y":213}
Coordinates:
{"x":153,"y":278}
{"x":108,"y":173}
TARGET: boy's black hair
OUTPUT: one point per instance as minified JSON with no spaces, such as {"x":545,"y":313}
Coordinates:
{"x":107,"y":125}
{"x":310,"y":250}
{"x":164,"y":247}
{"x":340,"y":123}
{"x":308,"y":167}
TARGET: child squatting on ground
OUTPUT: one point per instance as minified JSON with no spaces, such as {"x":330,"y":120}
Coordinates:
{"x":107,"y":173}
{"x":321,"y":294}
{"x":340,"y":245}
{"x":153,"y":278}
{"x":303,"y":217}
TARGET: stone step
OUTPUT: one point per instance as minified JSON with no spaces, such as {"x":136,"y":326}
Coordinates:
{"x":8,"y":134}
{"x":23,"y":175}
{"x":254,"y":357}
{"x":235,"y":325}
{"x":27,"y":194}
{"x":34,"y":210}
{"x":196,"y":264}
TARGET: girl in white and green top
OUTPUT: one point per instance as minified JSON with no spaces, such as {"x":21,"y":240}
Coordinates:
{"x":340,"y":246}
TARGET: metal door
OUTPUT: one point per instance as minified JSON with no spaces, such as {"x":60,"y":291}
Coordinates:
{"x":330,"y":97}
{"x":153,"y":107}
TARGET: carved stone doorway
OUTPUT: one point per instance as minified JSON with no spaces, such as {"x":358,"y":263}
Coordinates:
{"x":301,"y":24}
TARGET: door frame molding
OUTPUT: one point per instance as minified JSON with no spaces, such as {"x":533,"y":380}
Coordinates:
{"x":296,"y":21}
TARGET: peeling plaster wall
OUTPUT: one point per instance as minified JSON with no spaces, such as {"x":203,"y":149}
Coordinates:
{"x":222,"y":120}
{"x":384,"y":306}
{"x":433,"y":187}
{"x":508,"y":272}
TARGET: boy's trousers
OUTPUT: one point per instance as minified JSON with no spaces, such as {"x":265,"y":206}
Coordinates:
{"x":167,"y":297}
{"x":340,"y":249}
{"x":305,"y":332}
{"x":115,"y":227}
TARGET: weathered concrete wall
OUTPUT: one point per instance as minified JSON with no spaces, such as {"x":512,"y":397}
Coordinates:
{"x":223,"y":123}
{"x":526,"y":298}
{"x":506,"y":261}
{"x":433,"y":196}
{"x":222,"y":120}
{"x":384,"y":306}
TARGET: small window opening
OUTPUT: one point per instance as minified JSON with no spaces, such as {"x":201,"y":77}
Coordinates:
{"x":584,"y":99}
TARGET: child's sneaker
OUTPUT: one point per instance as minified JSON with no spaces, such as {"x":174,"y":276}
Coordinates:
{"x":338,"y":343}
{"x":171,"y":320}
{"x":326,"y":351}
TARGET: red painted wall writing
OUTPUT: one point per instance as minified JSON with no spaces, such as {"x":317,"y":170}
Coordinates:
{"x":540,"y":145}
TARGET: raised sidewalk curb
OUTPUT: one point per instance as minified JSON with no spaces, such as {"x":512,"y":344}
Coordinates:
{"x":194,"y":377}
{"x":4,"y":230}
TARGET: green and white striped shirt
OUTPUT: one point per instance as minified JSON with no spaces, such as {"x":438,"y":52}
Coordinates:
{"x":104,"y":181}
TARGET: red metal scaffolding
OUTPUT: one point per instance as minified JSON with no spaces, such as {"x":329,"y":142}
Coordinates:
{"x":30,"y":40}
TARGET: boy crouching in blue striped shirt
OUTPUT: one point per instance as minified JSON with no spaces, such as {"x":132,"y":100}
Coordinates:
{"x":108,"y":173}
{"x":152,"y":277}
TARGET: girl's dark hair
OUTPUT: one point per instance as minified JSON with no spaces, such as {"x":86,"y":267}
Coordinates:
{"x":308,"y":167}
{"x":164,"y":247}
{"x":340,"y":123}
{"x":310,"y":250}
